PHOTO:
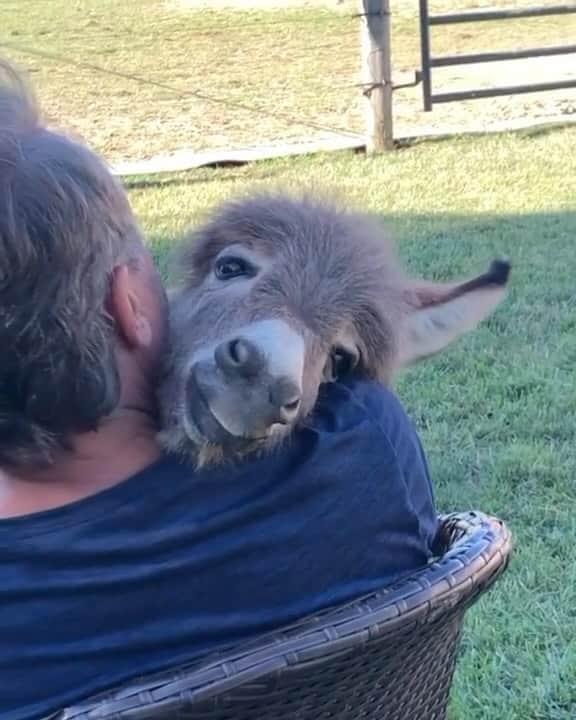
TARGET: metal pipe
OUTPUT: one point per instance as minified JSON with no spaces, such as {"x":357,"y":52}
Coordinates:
{"x":448,"y":60}
{"x":504,"y":13}
{"x":496,"y":92}
{"x":425,"y":55}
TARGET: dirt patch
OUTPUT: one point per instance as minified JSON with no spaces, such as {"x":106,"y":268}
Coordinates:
{"x":158,"y":79}
{"x":345,"y":110}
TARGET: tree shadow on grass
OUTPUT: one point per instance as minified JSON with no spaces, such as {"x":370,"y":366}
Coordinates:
{"x":539,"y":245}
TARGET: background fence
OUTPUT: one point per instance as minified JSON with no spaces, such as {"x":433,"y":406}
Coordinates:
{"x":428,"y":21}
{"x":146,"y":78}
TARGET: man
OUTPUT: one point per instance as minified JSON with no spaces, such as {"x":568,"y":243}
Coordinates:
{"x":114,"y":560}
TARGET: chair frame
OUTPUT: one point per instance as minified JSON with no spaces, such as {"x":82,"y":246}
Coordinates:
{"x":389,"y":655}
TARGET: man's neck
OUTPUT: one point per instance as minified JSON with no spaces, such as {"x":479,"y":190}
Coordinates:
{"x":122,"y":447}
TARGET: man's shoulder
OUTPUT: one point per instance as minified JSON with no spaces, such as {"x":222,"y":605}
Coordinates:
{"x":366,"y":400}
{"x":376,"y":419}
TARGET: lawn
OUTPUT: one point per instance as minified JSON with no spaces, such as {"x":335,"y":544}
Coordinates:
{"x":497,"y":412}
{"x":139,"y":78}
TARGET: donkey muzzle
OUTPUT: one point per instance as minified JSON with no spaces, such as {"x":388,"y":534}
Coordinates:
{"x":249,"y":385}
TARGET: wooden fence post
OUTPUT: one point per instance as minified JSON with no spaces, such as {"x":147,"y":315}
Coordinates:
{"x":377,"y":74}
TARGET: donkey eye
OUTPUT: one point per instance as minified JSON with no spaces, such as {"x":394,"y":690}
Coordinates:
{"x":227,"y":268}
{"x":341,"y":363}
{"x":344,"y":362}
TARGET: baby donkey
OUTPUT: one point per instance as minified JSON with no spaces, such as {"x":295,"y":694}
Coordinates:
{"x":279,"y":295}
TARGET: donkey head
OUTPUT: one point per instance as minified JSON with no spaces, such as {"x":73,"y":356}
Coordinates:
{"x":279,"y":295}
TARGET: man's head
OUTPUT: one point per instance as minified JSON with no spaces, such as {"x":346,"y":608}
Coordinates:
{"x":82,"y":309}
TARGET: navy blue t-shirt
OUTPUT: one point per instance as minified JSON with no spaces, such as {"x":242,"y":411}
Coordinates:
{"x":170,"y":564}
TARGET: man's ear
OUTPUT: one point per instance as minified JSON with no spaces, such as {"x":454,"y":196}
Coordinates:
{"x":438,"y":314}
{"x":125,"y":306}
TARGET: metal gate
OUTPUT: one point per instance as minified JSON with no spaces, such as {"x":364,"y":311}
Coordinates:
{"x":428,"y":62}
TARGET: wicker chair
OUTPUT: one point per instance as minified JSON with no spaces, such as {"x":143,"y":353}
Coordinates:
{"x":388,"y":656}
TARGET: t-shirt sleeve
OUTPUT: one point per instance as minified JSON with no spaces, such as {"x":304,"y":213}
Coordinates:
{"x":400,"y":438}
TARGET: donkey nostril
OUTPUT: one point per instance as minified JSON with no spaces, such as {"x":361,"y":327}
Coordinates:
{"x":238,"y":352}
{"x":293,"y":405}
{"x":285,"y":397}
{"x":288,"y":412}
{"x":239,"y":357}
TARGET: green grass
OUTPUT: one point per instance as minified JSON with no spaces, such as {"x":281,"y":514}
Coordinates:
{"x":498,"y":412}
{"x":292,"y":72}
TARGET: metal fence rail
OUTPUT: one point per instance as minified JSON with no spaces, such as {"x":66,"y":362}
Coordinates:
{"x":428,"y":62}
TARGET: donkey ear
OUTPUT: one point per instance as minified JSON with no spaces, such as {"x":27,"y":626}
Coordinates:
{"x":439,"y":314}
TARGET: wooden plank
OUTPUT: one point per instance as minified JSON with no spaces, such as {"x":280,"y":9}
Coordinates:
{"x":189,"y":159}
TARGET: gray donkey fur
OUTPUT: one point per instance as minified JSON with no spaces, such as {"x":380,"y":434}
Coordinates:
{"x":280,"y":294}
